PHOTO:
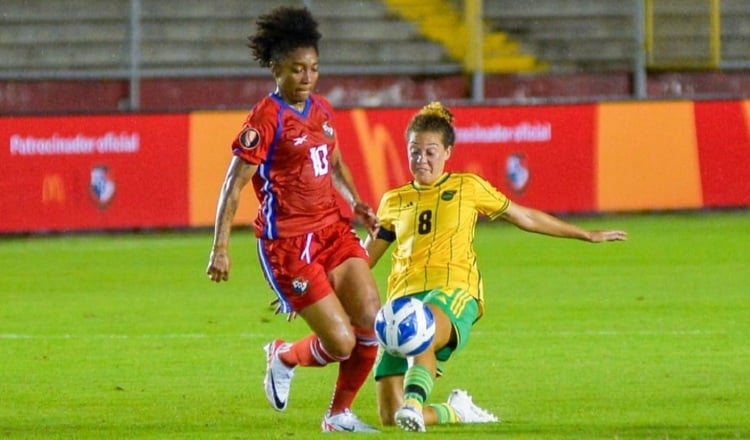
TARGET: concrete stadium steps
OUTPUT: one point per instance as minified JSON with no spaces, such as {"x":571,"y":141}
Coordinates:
{"x":58,"y":11}
{"x":567,"y":35}
{"x":442,"y":21}
{"x":570,"y":35}
{"x":73,"y":34}
{"x":683,"y":32}
{"x":80,"y":35}
{"x":579,"y":35}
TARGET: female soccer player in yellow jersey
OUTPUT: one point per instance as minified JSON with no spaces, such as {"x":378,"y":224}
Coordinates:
{"x":432,"y":221}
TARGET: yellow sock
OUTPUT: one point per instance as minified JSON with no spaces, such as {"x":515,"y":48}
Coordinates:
{"x":445,"y":414}
{"x":413,"y":402}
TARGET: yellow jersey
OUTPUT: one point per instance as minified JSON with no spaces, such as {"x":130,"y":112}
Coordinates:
{"x":434,"y":228}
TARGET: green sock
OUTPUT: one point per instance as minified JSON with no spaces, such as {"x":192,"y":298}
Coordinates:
{"x":418,"y":383}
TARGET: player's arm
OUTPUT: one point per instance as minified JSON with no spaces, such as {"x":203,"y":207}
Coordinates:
{"x":238,"y":175}
{"x":376,"y":247}
{"x":533,"y":220}
{"x":344,"y":183}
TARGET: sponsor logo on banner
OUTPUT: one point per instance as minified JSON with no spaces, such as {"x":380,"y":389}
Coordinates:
{"x":523,"y":132}
{"x":79,"y":144}
{"x":53,"y":190}
{"x":102,"y":186}
{"x":517,"y":172}
{"x":94,"y":172}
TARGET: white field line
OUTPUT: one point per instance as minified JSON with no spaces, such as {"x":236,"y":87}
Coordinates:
{"x":260,"y":336}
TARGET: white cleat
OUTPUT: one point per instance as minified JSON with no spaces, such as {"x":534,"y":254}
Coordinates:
{"x":278,"y":375}
{"x":410,"y":419}
{"x":467,"y":410}
{"x":345,"y":422}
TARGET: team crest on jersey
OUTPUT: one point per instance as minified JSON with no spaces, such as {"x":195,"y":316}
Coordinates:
{"x":102,"y":186}
{"x":448,"y":195}
{"x":299,"y":285}
{"x":327,"y":129}
{"x":249,"y":138}
{"x":517,"y":172}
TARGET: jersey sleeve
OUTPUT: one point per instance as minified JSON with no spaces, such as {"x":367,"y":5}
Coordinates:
{"x":489,"y":201}
{"x":385,"y":214}
{"x":256,"y":136}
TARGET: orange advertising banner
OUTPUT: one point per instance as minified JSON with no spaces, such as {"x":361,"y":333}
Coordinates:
{"x":647,"y":157}
{"x":211,"y":136}
{"x":93,"y":172}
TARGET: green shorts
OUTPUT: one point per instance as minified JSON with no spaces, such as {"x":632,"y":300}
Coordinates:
{"x":462,"y":310}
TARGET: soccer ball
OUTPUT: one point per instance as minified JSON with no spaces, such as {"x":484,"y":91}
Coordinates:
{"x":405,"y":326}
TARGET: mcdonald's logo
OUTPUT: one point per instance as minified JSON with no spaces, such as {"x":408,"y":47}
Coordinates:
{"x":53,"y":190}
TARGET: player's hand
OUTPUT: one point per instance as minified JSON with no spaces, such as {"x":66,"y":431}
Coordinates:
{"x":219,"y":265}
{"x":276,"y":304}
{"x":601,"y":236}
{"x":367,"y":216}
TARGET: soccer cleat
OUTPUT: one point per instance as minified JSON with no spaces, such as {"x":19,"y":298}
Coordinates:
{"x":345,"y":422}
{"x":278,"y":375}
{"x":410,"y":418}
{"x":467,"y":410}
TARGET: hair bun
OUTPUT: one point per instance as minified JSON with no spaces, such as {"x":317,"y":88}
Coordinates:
{"x":435,"y":108}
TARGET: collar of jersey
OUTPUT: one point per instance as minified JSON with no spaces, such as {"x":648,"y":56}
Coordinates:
{"x":284,"y":104}
{"x":437,"y":183}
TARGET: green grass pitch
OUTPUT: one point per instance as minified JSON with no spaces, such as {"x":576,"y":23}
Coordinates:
{"x":123,"y":336}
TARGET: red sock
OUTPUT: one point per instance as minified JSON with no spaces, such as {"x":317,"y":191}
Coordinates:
{"x":308,"y":352}
{"x":354,"y":371}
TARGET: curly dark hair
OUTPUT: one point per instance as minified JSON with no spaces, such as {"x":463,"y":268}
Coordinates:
{"x":281,"y":31}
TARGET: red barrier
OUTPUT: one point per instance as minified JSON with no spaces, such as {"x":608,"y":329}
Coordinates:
{"x":93,"y":172}
{"x":723,"y":133}
{"x":144,"y":171}
{"x":538,"y":156}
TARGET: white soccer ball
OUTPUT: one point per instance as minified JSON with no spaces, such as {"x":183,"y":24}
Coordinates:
{"x":405,"y":326}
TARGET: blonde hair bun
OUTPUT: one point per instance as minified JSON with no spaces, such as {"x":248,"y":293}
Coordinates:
{"x":437,"y":109}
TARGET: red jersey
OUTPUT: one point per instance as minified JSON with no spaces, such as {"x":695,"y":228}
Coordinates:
{"x":292,"y":150}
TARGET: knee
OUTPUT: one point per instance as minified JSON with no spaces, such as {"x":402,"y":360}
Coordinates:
{"x":369,"y":306}
{"x":341,"y":345}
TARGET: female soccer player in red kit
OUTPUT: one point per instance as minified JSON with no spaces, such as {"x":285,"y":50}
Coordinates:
{"x":308,"y":252}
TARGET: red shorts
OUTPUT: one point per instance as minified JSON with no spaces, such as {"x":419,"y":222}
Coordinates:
{"x":297,"y":268}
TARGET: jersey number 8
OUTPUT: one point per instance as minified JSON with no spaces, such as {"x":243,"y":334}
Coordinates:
{"x":425,"y":222}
